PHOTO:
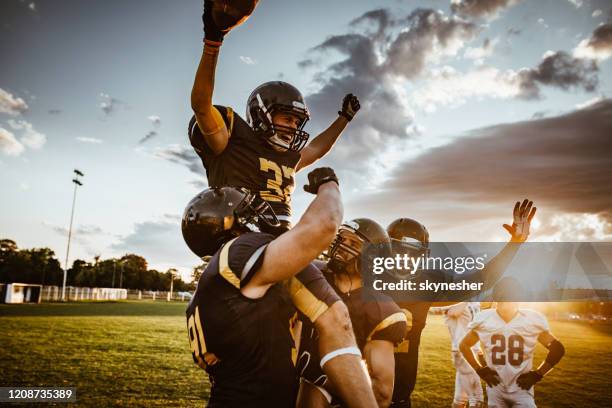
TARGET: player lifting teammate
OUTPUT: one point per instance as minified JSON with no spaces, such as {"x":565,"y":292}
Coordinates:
{"x":238,"y":319}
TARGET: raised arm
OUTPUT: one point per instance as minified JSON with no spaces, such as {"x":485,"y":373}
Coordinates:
{"x":294,"y":250}
{"x":320,"y":145}
{"x":208,"y":117}
{"x":519,"y":231}
{"x":219,"y":19}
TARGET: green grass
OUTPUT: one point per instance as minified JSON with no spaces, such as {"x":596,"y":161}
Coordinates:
{"x":140,"y":358}
{"x":136,"y":354}
{"x":582,"y":379}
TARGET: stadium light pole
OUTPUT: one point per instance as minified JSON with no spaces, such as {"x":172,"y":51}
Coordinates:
{"x":114,"y":269}
{"x":77,"y":182}
{"x":122,"y":263}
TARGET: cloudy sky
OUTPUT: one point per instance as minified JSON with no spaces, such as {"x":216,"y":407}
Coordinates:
{"x":467,"y":107}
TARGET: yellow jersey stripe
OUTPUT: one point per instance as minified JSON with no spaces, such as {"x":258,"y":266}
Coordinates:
{"x":388,"y":321}
{"x":305,"y":301}
{"x":224,"y":269}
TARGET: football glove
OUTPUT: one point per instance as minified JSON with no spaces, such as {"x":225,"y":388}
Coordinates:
{"x":522,"y":216}
{"x":529,"y":379}
{"x":489,"y":376}
{"x":350,"y":106}
{"x":221,"y":16}
{"x":318,"y":177}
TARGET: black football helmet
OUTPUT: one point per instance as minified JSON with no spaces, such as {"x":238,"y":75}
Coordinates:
{"x":270,"y":98}
{"x":409,"y":237}
{"x":216,"y":215}
{"x":351,"y":240}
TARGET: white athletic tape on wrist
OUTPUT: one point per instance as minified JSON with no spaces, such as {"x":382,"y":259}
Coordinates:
{"x":346,"y":350}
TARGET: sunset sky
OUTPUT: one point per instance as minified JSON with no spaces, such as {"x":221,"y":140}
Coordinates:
{"x":467,"y":106}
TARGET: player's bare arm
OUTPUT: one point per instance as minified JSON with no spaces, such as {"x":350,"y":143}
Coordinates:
{"x":344,"y":369}
{"x":322,"y":144}
{"x":469,"y":341}
{"x":487,"y":374}
{"x":381,"y":367}
{"x":311,"y":236}
{"x":208,"y":117}
{"x":523,"y":214}
{"x":556,"y":351}
{"x":219,"y":18}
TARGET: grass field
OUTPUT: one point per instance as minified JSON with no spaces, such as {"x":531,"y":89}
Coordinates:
{"x":136,"y":354}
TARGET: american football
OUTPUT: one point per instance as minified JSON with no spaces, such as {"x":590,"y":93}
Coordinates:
{"x":228,"y":14}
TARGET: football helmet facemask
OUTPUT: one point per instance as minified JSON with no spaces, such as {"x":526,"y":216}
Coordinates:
{"x":351,"y":241}
{"x":216,"y":215}
{"x":270,"y":99}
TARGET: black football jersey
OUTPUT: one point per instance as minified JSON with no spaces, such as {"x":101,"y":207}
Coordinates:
{"x":250,"y":338}
{"x":248,"y":161}
{"x":407,"y":355}
{"x":374,"y":316}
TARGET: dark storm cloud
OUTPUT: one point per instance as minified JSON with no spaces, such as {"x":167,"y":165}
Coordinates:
{"x":412,"y":48}
{"x":559,"y":70}
{"x":480,"y":8}
{"x":602,"y":37}
{"x":380,"y":17}
{"x":385,"y":50}
{"x":562,"y":162}
{"x":598,"y":45}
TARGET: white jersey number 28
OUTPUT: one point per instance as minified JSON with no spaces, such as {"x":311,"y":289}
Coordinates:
{"x":509,"y":350}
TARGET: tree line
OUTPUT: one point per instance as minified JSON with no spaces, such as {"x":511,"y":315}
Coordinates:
{"x":40,"y":266}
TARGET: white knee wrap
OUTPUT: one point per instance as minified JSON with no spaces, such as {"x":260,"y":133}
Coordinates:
{"x":333,"y":354}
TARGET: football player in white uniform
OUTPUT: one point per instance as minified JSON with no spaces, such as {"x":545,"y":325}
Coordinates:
{"x":468,"y":391}
{"x":509,"y":335}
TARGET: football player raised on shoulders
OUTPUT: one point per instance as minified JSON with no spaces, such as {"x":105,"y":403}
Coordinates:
{"x":263,"y":152}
